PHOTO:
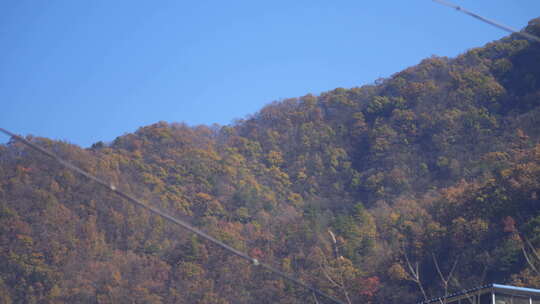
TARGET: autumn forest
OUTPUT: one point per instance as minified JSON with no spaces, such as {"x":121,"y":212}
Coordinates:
{"x":416,"y":186}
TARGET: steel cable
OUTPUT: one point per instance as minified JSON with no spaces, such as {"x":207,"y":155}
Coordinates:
{"x":489,"y":21}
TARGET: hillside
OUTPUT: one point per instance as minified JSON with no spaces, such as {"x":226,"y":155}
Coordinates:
{"x":438,"y":165}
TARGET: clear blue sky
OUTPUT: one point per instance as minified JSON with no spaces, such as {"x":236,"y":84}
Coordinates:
{"x":85,"y":71}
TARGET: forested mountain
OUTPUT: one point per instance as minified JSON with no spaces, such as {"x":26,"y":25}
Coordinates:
{"x":437,"y":166}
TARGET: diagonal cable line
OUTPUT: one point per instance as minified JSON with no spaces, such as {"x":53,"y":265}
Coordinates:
{"x":170,"y":218}
{"x":489,"y":21}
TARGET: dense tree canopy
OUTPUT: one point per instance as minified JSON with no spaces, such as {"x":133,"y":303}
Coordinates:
{"x":436,"y":167}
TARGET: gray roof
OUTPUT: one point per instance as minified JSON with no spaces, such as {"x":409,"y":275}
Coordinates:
{"x":495,"y":287}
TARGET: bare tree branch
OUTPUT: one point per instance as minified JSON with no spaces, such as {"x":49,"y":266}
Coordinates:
{"x":415,"y":274}
{"x":341,"y":285}
{"x":530,"y":259}
{"x":533,"y":249}
{"x":444,"y":279}
{"x":328,"y":277}
{"x":468,"y":295}
{"x":315,"y":298}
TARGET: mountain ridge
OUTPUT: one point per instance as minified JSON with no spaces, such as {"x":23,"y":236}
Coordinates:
{"x":439,"y":161}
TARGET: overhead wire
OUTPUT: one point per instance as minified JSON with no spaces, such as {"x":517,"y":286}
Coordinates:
{"x":170,"y":218}
{"x":489,"y":21}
